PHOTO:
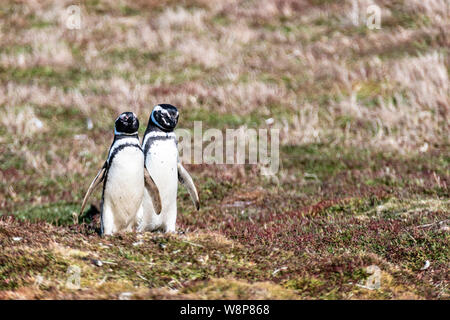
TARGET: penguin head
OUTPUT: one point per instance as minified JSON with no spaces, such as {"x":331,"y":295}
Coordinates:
{"x":127,"y":123}
{"x":165,"y":117}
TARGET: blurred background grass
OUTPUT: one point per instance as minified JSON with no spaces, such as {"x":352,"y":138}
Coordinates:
{"x":363,"y":114}
{"x":329,"y":85}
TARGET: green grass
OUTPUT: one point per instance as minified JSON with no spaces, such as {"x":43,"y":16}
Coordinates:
{"x":55,"y":213}
{"x":337,"y":206}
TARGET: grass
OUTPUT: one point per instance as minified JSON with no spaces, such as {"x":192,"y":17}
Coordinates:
{"x":364,"y":174}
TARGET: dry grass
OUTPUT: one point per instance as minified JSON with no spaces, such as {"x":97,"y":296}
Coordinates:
{"x":225,"y":66}
{"x":361,"y":113}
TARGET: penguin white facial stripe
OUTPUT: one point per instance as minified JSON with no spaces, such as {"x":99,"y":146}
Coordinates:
{"x":164,"y":111}
{"x":165,"y":121}
{"x":159,"y":108}
{"x":165,"y":117}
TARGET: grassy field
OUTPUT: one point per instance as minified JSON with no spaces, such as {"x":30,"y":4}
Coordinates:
{"x":364,"y":121}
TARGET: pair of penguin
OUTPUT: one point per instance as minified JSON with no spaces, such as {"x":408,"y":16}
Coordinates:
{"x":140,"y":182}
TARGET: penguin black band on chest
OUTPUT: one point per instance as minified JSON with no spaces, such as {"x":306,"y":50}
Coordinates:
{"x":120,"y":143}
{"x":153,"y":136}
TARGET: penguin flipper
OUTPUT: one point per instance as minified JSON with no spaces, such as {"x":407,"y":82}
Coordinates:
{"x":185,"y":178}
{"x":94,"y":184}
{"x":152,"y":191}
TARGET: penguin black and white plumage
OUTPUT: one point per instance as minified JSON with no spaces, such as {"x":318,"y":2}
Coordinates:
{"x":162,"y":161}
{"x":125,"y":178}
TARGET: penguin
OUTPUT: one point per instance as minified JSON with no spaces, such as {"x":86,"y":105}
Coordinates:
{"x":160,"y":148}
{"x":124,"y":178}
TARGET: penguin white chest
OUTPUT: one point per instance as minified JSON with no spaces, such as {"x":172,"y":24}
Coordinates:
{"x":124,"y":189}
{"x":161,"y":162}
{"x":127,"y":173}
